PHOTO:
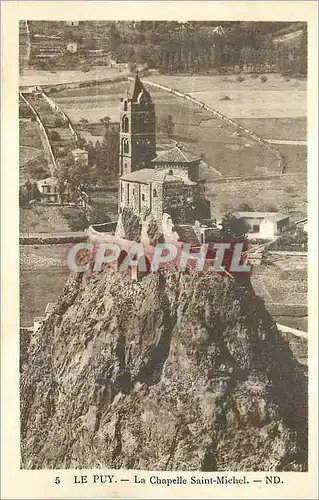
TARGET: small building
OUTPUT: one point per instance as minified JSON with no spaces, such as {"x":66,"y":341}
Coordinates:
{"x":303,"y":224}
{"x":49,"y":189}
{"x":272,"y":226}
{"x":72,"y":23}
{"x":80,"y":156}
{"x":264,"y":224}
{"x":72,"y":47}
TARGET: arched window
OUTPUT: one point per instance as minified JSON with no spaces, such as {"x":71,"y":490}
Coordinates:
{"x":125,"y":105}
{"x":125,"y":146}
{"x":125,"y":124}
{"x":154,"y":193}
{"x":170,"y":172}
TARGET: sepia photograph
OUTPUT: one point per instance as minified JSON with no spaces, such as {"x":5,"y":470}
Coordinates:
{"x":163,"y":243}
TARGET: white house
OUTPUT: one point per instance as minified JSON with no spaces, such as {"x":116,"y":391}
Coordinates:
{"x":49,"y":189}
{"x":72,"y":23}
{"x":272,"y":226}
{"x":265,"y":225}
{"x":72,"y":47}
{"x":80,"y":156}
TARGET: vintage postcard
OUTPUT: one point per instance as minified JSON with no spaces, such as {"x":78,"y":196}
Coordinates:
{"x":159,"y":257}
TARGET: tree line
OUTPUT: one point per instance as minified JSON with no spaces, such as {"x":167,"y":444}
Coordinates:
{"x":180,"y":48}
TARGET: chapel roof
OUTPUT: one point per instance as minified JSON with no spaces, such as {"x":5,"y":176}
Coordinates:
{"x":175,"y":155}
{"x":144,"y":175}
{"x":147,"y":175}
{"x":274,"y":216}
{"x":48,"y":181}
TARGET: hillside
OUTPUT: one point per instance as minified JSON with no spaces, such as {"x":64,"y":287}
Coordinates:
{"x":168,"y":46}
{"x":171,"y":372}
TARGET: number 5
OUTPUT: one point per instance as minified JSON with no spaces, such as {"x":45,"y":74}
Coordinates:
{"x":57,"y":480}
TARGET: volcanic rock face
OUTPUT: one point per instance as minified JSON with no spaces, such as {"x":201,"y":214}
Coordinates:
{"x":170,"y":372}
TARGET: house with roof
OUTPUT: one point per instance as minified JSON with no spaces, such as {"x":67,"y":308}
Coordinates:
{"x":265,"y":225}
{"x":156,"y":182}
{"x":80,"y":156}
{"x":49,"y":189}
{"x":302,"y":224}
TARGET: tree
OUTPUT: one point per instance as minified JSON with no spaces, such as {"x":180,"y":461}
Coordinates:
{"x":83,"y":121}
{"x":234,"y":227}
{"x":190,"y":62}
{"x":166,"y":125}
{"x":115,"y":39}
{"x":38,"y":169}
{"x":303,"y":52}
{"x":81,"y":142}
{"x":54,"y":136}
{"x":59,"y":122}
{"x":63,"y":176}
{"x":177,"y":62}
{"x":106,"y":121}
{"x":132,"y":67}
{"x":171,"y":62}
{"x":29,"y":191}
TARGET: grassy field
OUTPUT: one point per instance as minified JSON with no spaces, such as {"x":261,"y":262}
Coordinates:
{"x":282,"y":283}
{"x":30,"y":148}
{"x":286,"y":194}
{"x":30,"y":134}
{"x":41,"y":77}
{"x":275,"y":98}
{"x":218,"y":143}
{"x":280,"y":128}
{"x":92,"y":103}
{"x":296,"y":157}
{"x":43,"y":273}
{"x":43,"y":219}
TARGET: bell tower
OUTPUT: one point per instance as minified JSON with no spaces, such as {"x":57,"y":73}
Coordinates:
{"x":137,"y":130}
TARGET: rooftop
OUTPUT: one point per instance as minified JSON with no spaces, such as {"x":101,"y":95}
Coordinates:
{"x":139,"y":88}
{"x":175,"y":155}
{"x":49,"y":181}
{"x":143,"y":175}
{"x":146,"y":175}
{"x":78,"y":150}
{"x":260,"y":215}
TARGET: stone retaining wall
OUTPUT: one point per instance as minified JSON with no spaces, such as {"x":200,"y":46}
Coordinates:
{"x":51,"y":240}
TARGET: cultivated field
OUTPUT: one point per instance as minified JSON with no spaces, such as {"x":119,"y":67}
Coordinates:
{"x":43,"y":219}
{"x":219,"y":144}
{"x":282,"y":283}
{"x":42,"y":276}
{"x":287,"y":194}
{"x":40,"y":77}
{"x":92,"y":103}
{"x":279,"y":128}
{"x":251,"y":98}
{"x":30,"y":148}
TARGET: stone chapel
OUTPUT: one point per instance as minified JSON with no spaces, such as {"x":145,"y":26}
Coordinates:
{"x":155,"y":182}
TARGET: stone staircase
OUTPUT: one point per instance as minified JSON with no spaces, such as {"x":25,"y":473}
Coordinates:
{"x":187,"y":234}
